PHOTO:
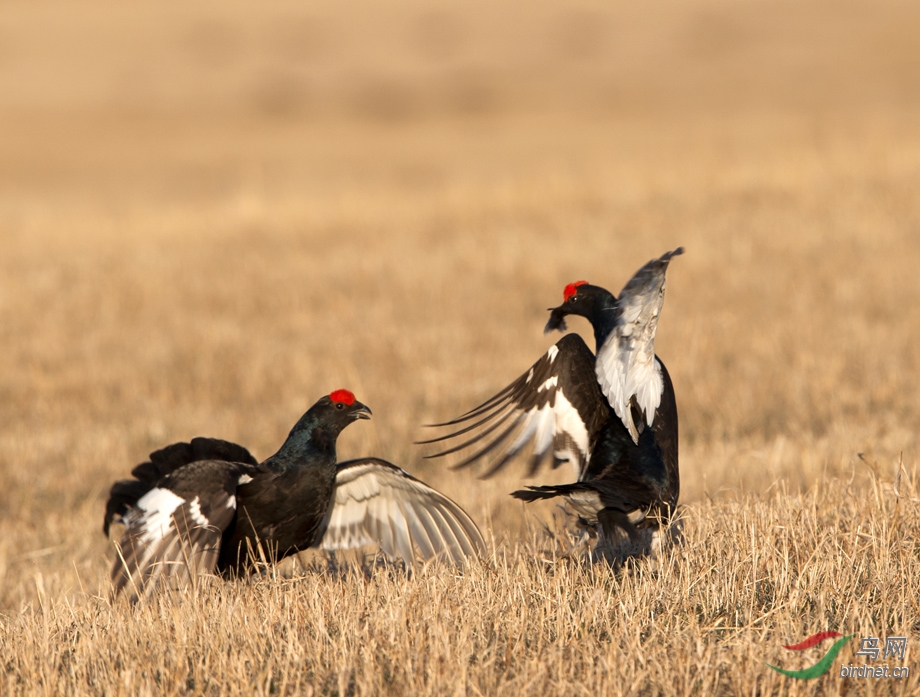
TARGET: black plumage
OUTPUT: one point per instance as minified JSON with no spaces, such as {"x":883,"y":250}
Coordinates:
{"x":613,"y":415}
{"x":209,"y":505}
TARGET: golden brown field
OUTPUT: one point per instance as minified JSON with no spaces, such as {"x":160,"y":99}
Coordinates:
{"x":211,"y":215}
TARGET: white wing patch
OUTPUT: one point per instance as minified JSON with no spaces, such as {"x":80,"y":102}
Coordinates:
{"x":194,"y":509}
{"x":157,"y":507}
{"x":568,"y":421}
{"x":552,"y":352}
{"x":545,"y":427}
{"x":629,"y":376}
{"x":172,"y":539}
{"x":378,"y":503}
{"x":626,"y":366}
{"x":537,"y":422}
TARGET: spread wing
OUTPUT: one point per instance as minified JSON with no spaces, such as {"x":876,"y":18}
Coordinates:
{"x":378,"y":503}
{"x":627,"y":370}
{"x":557,"y":404}
{"x":173,"y":532}
{"x":125,"y":493}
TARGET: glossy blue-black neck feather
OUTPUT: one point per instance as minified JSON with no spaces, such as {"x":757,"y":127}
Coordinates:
{"x":312,"y":440}
{"x":603,"y":316}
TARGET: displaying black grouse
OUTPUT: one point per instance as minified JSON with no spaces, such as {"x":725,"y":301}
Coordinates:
{"x":613,"y":416}
{"x":208,"y":504}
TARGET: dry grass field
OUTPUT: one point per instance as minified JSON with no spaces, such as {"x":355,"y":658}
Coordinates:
{"x":212,"y":214}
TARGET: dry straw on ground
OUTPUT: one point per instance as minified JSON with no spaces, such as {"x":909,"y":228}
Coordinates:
{"x":209,"y":217}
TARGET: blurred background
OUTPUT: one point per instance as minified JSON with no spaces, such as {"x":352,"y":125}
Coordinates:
{"x":212,"y":214}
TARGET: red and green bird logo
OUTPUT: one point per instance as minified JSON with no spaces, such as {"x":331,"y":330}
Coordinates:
{"x":822,"y":666}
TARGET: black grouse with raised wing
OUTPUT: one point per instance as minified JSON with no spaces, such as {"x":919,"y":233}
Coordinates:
{"x":613,"y":416}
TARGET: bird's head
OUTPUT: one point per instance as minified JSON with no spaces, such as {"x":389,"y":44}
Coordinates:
{"x":331,"y":414}
{"x":341,"y":406}
{"x":579,"y":298}
{"x":318,"y":429}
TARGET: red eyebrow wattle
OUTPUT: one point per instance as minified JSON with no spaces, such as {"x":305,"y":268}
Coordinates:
{"x":343,"y":396}
{"x":571,"y":289}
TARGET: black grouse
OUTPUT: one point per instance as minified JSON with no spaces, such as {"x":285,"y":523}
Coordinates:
{"x":208,"y":504}
{"x":613,"y":416}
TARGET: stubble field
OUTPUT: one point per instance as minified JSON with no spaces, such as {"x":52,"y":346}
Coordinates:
{"x":210,"y":217}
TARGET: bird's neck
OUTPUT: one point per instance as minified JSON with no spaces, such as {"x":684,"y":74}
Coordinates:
{"x":313,"y":446}
{"x":603,"y":318}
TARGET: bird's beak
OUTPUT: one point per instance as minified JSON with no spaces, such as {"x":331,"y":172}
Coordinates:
{"x":361,"y":412}
{"x":556,"y":320}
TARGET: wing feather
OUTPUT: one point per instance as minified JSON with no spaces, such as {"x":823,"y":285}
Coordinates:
{"x":557,"y":404}
{"x":499,"y":417}
{"x":454,"y":535}
{"x":376,"y":501}
{"x":400,"y":523}
{"x":628,"y":373}
{"x":173,"y":532}
{"x":421,"y":529}
{"x":178,"y":552}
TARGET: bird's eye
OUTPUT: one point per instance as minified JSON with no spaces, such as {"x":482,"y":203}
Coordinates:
{"x":573,"y":298}
{"x":339,"y":405}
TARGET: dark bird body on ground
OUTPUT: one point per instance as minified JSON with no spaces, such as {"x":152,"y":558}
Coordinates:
{"x":613,"y":416}
{"x":209,"y":505}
